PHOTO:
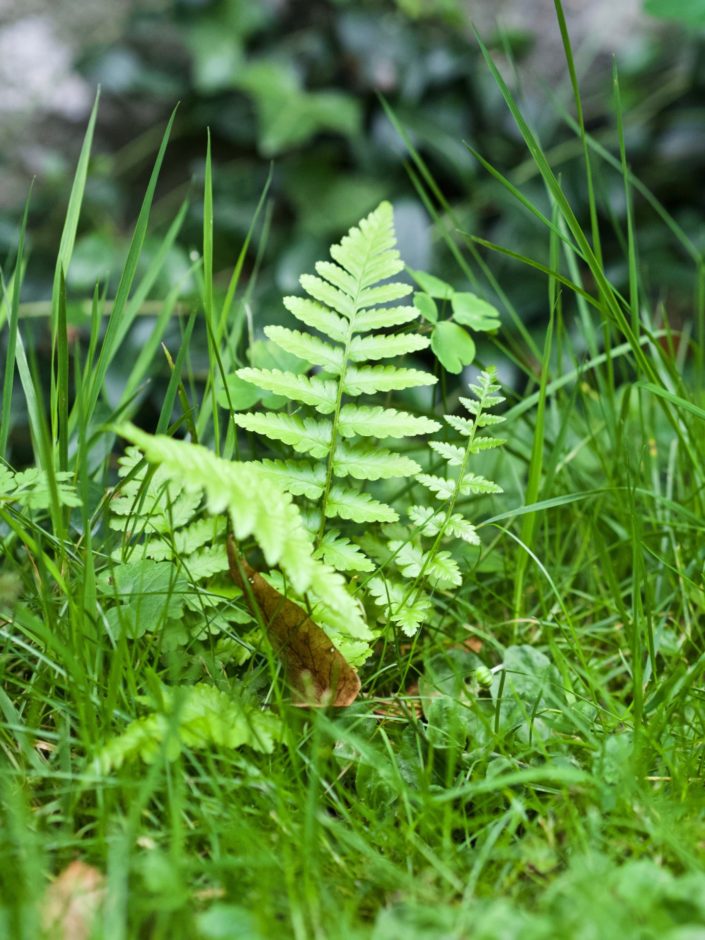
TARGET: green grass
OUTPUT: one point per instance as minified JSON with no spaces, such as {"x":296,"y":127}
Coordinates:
{"x":565,"y":799}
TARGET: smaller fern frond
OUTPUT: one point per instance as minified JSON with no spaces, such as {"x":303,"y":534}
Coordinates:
{"x":437,"y":568}
{"x":31,"y":488}
{"x":342,"y":554}
{"x":198,"y":717}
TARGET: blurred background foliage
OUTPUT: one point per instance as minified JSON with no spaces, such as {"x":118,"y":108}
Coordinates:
{"x":298,"y":90}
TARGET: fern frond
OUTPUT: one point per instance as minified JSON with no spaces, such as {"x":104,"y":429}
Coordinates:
{"x":385,"y":346}
{"x":430,"y":521}
{"x":439,"y":569}
{"x":319,"y":393}
{"x":186,"y":540}
{"x":206,"y":562}
{"x":348,"y":299}
{"x":366,"y":380}
{"x":31,"y":489}
{"x":374,"y":421}
{"x":485,"y":443}
{"x":298,"y":477}
{"x":366,"y":462}
{"x":199,"y":717}
{"x":475,"y":485}
{"x":462,"y":425}
{"x":346,"y":503}
{"x":379,"y":318}
{"x":305,"y":435}
{"x":451,"y":453}
{"x":318,"y":317}
{"x":342,"y":554}
{"x":368,"y":251}
{"x":160,"y":507}
{"x":435,"y":567}
{"x":408,"y":609}
{"x":306,"y":346}
{"x":258,"y":508}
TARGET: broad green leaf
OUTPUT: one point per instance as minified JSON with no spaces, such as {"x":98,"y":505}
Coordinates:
{"x":426,"y":306}
{"x":149,"y":593}
{"x":690,"y":12}
{"x":452,"y":346}
{"x":288,"y":115}
{"x":471,"y":310}
{"x":236,"y":393}
{"x":432,"y":285}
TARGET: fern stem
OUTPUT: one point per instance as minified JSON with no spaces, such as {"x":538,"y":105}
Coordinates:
{"x":334,"y":434}
{"x":339,"y":403}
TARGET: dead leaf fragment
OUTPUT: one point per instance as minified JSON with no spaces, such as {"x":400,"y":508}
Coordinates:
{"x":72,"y":901}
{"x":315,"y":670}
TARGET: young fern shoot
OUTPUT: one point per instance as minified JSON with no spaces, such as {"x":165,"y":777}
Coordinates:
{"x":434,"y":568}
{"x":338,"y":437}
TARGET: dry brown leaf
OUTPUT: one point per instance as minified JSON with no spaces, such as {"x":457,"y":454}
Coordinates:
{"x":72,"y":901}
{"x":317,"y":673}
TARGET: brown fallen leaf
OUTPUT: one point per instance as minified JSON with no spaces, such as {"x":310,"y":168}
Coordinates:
{"x":317,"y":673}
{"x":72,"y":901}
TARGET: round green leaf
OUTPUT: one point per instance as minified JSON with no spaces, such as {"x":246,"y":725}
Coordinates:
{"x":432,"y":285}
{"x":691,"y":12}
{"x":426,"y":306}
{"x":473,"y":311}
{"x":236,"y":393}
{"x":453,"y":347}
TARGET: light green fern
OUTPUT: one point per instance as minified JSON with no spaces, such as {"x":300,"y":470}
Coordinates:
{"x":337,"y":436}
{"x":30,"y":489}
{"x":258,"y":507}
{"x":199,"y":717}
{"x":406,"y":601}
{"x":170,"y":573}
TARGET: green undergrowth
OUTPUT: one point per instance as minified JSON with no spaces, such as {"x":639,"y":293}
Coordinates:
{"x":526,"y":612}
